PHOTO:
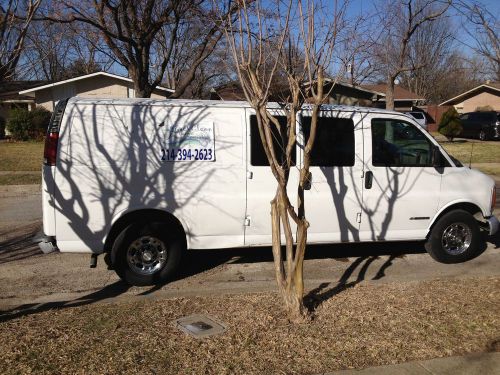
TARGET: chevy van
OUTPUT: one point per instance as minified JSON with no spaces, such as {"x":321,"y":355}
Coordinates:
{"x":141,"y":181}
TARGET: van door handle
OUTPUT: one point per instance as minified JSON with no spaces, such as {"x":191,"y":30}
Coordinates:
{"x":368,"y":179}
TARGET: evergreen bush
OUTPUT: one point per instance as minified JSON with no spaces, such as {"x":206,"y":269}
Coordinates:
{"x":28,"y":125}
{"x":450,"y":125}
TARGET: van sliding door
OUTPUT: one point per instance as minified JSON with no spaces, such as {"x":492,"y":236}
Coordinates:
{"x":333,"y":202}
{"x":261,"y":183}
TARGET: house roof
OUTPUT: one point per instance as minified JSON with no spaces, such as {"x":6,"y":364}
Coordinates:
{"x":9,"y":90}
{"x":400,"y":93}
{"x":495,"y":87}
{"x":232,"y":90}
{"x":85,"y":77}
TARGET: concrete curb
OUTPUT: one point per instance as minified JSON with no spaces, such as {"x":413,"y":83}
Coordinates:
{"x":480,"y":363}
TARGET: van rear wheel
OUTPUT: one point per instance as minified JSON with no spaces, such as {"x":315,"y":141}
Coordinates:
{"x":455,"y":238}
{"x":147,"y":253}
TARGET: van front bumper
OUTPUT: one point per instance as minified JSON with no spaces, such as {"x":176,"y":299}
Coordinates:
{"x":493,"y":225}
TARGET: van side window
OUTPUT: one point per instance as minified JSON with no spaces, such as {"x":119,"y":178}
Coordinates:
{"x":334,"y":144}
{"x":399,"y":144}
{"x":257,"y":155}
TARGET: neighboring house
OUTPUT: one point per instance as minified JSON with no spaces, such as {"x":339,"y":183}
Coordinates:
{"x":347,"y":94}
{"x":10,"y":97}
{"x":95,"y":85}
{"x":404,"y":100}
{"x":487,"y":94}
{"x":341,"y":93}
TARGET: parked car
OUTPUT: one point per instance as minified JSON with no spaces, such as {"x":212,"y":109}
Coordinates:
{"x":141,"y":181}
{"x":419,"y":117}
{"x":482,"y":125}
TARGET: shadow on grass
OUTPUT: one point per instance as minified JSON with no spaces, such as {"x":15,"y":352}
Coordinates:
{"x":109,"y":291}
{"x":18,"y":246}
{"x":199,"y":261}
{"x":326,"y":291}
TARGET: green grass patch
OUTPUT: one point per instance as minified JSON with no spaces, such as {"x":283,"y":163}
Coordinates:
{"x":21,"y":178}
{"x":21,"y":156}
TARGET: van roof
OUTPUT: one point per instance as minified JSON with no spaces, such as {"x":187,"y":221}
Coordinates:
{"x":216,"y":104}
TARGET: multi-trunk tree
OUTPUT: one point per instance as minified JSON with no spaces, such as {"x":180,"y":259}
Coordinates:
{"x":295,"y":40}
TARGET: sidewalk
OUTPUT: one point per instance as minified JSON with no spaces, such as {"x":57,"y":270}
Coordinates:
{"x":482,"y":363}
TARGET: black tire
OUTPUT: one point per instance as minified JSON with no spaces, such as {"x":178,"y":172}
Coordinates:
{"x":161,"y":241}
{"x":441,"y":244}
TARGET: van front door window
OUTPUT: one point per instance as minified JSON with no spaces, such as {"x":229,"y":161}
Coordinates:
{"x":399,"y":144}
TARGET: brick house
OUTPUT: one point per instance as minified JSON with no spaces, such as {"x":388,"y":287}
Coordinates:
{"x":487,"y":94}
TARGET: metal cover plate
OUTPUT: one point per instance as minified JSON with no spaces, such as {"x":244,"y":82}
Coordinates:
{"x":199,"y":326}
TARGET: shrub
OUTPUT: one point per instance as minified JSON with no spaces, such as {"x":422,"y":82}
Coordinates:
{"x":450,"y":125}
{"x":25,"y":125}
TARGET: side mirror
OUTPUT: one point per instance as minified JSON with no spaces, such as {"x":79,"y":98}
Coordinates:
{"x":438,"y":160}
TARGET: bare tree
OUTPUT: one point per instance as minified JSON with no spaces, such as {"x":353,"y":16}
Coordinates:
{"x":59,"y":51}
{"x":265,"y":43}
{"x":429,"y":54}
{"x":399,"y":22}
{"x":131,"y":30}
{"x":15,"y":21}
{"x":482,"y":26}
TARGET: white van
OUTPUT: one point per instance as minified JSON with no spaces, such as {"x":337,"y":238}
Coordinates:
{"x":143,"y":180}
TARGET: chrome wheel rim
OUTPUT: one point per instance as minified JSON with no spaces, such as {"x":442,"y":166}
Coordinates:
{"x":147,"y":255}
{"x":456,"y":238}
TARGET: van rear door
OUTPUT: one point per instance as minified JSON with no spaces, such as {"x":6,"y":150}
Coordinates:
{"x":50,"y":154}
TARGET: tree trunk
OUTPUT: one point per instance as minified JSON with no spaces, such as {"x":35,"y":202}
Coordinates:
{"x":289,"y":272}
{"x":389,"y":94}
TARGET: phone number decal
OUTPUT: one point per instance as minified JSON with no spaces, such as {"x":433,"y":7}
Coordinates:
{"x":189,"y":154}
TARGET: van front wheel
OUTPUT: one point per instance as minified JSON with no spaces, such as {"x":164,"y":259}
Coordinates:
{"x":147,"y":254}
{"x":455,"y":238}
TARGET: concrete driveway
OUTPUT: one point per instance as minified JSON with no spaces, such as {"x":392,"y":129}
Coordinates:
{"x":30,"y":279}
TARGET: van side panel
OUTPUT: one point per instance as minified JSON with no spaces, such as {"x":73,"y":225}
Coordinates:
{"x":110,"y":163}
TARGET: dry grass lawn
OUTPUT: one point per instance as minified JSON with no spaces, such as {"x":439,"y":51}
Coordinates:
{"x":21,"y":178}
{"x":21,"y":156}
{"x":482,"y":152}
{"x":364,"y":325}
